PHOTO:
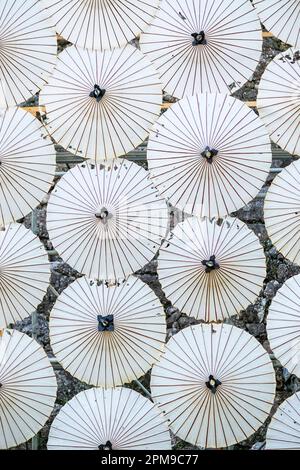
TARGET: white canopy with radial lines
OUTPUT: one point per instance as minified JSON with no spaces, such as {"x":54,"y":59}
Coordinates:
{"x":28,"y":50}
{"x":107,"y":222}
{"x":282,"y":212}
{"x":27,"y":388}
{"x":284,"y":430}
{"x":211,"y":270}
{"x":27,"y":165}
{"x":209,"y":155}
{"x":282,"y":18}
{"x":203,"y":45}
{"x":278,"y":100}
{"x":107,"y":336}
{"x":101,"y":105}
{"x":24,"y":273}
{"x":117,"y":419}
{"x":101,"y":24}
{"x":283,"y":325}
{"x":215,"y":383}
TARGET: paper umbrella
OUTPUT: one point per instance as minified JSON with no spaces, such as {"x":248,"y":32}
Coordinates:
{"x":24,"y":273}
{"x":101,"y":105}
{"x":278,"y":100}
{"x":107,"y":222}
{"x":27,"y":165}
{"x":209,"y":155}
{"x":215,"y":383}
{"x":282,"y":18}
{"x":107,"y":336}
{"x":117,"y":419}
{"x":282,"y":212}
{"x":211,"y":270}
{"x":283,"y":325}
{"x":101,"y":24}
{"x":28,"y":50}
{"x":27,"y":388}
{"x":284,"y":430}
{"x":202,"y":46}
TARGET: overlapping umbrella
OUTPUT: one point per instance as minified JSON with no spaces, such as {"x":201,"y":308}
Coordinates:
{"x":279,"y":100}
{"x":24,"y":273}
{"x":284,"y":430}
{"x":101,"y":24}
{"x":28,"y":50}
{"x":283,"y":325}
{"x":117,"y":419}
{"x":211,"y":270}
{"x":215,"y":383}
{"x":27,"y":388}
{"x":209,"y":155}
{"x":107,"y":222}
{"x":27,"y":165}
{"x":282,"y":18}
{"x":203,"y":46}
{"x":101,"y":105}
{"x":282,"y":212}
{"x":107,"y":336}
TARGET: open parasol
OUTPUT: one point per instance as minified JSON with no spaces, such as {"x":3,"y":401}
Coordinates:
{"x":27,"y":165}
{"x":209,"y":155}
{"x":107,"y":222}
{"x":284,"y":430}
{"x":27,"y":388}
{"x":107,"y":335}
{"x":282,"y":18}
{"x":28,"y":50}
{"x":101,"y":105}
{"x":101,"y":24}
{"x":211,"y":270}
{"x":283,"y":325}
{"x":215,"y":384}
{"x":282,"y":212}
{"x":24,"y":273}
{"x":279,"y":100}
{"x":203,"y":46}
{"x":118,"y":419}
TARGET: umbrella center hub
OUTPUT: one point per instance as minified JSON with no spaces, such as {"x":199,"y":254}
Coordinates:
{"x":107,"y":446}
{"x":105,"y":323}
{"x":199,"y":39}
{"x":213,"y":384}
{"x":210,"y":264}
{"x":103,"y":215}
{"x":97,"y":93}
{"x":209,"y":153}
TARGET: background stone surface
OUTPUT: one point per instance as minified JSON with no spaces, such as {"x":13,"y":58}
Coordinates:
{"x":252,"y":320}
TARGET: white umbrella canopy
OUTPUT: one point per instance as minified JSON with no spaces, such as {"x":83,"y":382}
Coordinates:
{"x":101,"y":24}
{"x":28,"y":50}
{"x":282,"y":18}
{"x":215,"y":383}
{"x":282,"y":212}
{"x":27,"y":388}
{"x":279,"y":100}
{"x":283,"y":325}
{"x":209,"y":155}
{"x":101,"y":105}
{"x":117,"y":419}
{"x":27,"y":165}
{"x":107,"y":221}
{"x":24,"y":273}
{"x":203,"y":45}
{"x":284,"y":430}
{"x":211,"y":270}
{"x":107,"y":335}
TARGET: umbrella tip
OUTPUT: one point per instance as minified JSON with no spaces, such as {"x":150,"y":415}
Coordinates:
{"x":209,"y":153}
{"x":210,"y":264}
{"x":107,"y":446}
{"x":199,"y":39}
{"x":105,"y":323}
{"x":213,"y":384}
{"x":97,"y":93}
